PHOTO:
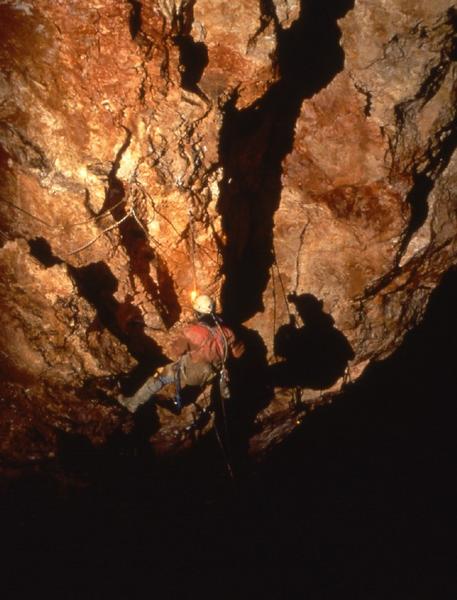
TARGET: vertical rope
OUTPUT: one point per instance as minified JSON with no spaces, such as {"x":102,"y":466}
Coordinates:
{"x":273,"y":281}
{"x":224,"y":453}
{"x":275,"y":262}
{"x":296,"y":398}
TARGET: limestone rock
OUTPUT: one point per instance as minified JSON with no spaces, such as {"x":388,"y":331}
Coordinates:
{"x":295,"y":160}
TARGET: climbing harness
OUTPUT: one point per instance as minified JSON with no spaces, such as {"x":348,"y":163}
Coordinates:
{"x":200,"y":416}
{"x":223,"y":373}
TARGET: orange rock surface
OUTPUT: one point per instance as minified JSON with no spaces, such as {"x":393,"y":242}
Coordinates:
{"x":295,"y":161}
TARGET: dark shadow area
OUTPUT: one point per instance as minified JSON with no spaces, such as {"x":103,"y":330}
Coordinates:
{"x":316,"y":354}
{"x":193,"y":56}
{"x":97,"y":284}
{"x":141,"y":255}
{"x":357,"y":503}
{"x":41,"y":250}
{"x":254,"y":142}
{"x":251,"y":391}
{"x":417,"y":199}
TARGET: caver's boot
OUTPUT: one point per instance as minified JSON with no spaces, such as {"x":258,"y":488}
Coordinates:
{"x":148,"y":389}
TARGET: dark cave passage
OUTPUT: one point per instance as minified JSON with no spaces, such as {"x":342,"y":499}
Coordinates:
{"x":254,"y":143}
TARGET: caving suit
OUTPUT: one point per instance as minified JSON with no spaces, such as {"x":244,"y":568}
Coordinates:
{"x":200,"y":350}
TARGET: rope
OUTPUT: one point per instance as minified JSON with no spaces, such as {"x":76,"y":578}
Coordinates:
{"x":275,"y":262}
{"x":129,"y":214}
{"x":224,"y":453}
{"x":225,"y":450}
{"x":274,"y":310}
{"x":32,"y":216}
{"x":228,"y":453}
{"x":273,"y":280}
{"x":105,"y":213}
{"x":296,"y":399}
{"x":156,"y":210}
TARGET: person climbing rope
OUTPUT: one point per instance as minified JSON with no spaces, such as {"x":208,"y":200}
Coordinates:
{"x":200,"y":352}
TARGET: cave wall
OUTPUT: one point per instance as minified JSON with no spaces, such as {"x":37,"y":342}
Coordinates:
{"x":293,"y":160}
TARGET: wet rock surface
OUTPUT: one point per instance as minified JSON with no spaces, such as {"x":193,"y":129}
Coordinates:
{"x":293,"y":160}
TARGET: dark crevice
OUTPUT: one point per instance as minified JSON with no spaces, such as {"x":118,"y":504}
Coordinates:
{"x":441,"y":148}
{"x":446,"y":143}
{"x":368,"y":98}
{"x":193,"y":58}
{"x":424,"y":181}
{"x":141,"y":257}
{"x":434,"y":80}
{"x":254,"y":143}
{"x":41,"y":250}
{"x":267,"y":15}
{"x":135,"y":18}
{"x":418,"y":201}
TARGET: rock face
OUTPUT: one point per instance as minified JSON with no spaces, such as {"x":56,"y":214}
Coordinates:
{"x":292,"y":160}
